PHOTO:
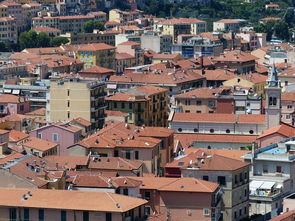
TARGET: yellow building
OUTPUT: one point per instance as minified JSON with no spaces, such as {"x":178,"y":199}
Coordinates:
{"x":70,"y":99}
{"x":124,"y":16}
{"x":255,"y":81}
{"x":98,"y":54}
{"x":178,"y":26}
{"x":146,"y":105}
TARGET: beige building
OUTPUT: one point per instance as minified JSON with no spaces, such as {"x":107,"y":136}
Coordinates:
{"x":124,"y":16}
{"x":226,"y":25}
{"x":37,"y":204}
{"x":178,"y":26}
{"x":68,"y":100}
{"x":8,"y":29}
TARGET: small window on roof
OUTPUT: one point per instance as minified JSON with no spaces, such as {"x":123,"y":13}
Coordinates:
{"x":180,"y":163}
{"x":251,"y":131}
{"x":227,"y":131}
{"x":211,"y":130}
{"x":179,"y":129}
{"x":196,"y":130}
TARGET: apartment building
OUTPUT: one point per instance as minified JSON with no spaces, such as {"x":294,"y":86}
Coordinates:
{"x":231,"y":174}
{"x":256,"y":40}
{"x":106,"y":37}
{"x":69,"y":99}
{"x":196,"y":47}
{"x":156,"y":42}
{"x":242,"y":61}
{"x":98,"y":54}
{"x":271,"y":177}
{"x":8,"y":29}
{"x":64,"y":23}
{"x":146,"y":105}
{"x":124,"y":60}
{"x":167,"y":196}
{"x":34,"y":204}
{"x":288,"y":108}
{"x":15,"y":10}
{"x":178,"y":26}
{"x":132,"y":48}
{"x":3,"y":11}
{"x":12,"y":104}
{"x":227,"y":25}
{"x":124,"y":16}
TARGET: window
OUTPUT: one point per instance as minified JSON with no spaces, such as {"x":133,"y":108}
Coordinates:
{"x":123,"y":105}
{"x":127,"y":155}
{"x":198,"y":103}
{"x":187,"y":111}
{"x":246,"y":175}
{"x":198,"y":111}
{"x":278,"y":169}
{"x":39,"y":135}
{"x":196,"y":130}
{"x":206,"y":212}
{"x":12,"y":214}
{"x":55,"y":137}
{"x":272,"y":101}
{"x":125,"y":192}
{"x":206,"y":178}
{"x":245,"y":210}
{"x":41,"y":214}
{"x":235,"y":215}
{"x":288,"y":116}
{"x":227,"y":131}
{"x":116,"y":153}
{"x":130,"y":106}
{"x":21,"y":108}
{"x":68,"y":103}
{"x":236,"y":179}
{"x":211,"y":130}
{"x":69,"y":114}
{"x":68,"y":92}
{"x":108,"y":217}
{"x":130,"y":114}
{"x":115,"y":104}
{"x":290,"y":106}
{"x":187,"y":102}
{"x":251,"y":131}
{"x":85,"y":216}
{"x":240,"y":212}
{"x":147,"y":211}
{"x":286,"y":83}
{"x":136,"y":155}
{"x":245,"y":192}
{"x":63,"y":215}
{"x":147,"y":195}
{"x":26,"y":214}
{"x":221,"y":180}
{"x":179,"y":130}
{"x":241,"y":177}
{"x":162,"y":145}
{"x":265,"y":169}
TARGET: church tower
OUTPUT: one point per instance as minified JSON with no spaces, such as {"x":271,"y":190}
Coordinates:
{"x":273,"y":99}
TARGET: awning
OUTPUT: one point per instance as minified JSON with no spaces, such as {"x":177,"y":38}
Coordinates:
{"x":267,"y":185}
{"x":255,"y":184}
{"x":112,"y":86}
{"x":15,"y":92}
{"x":278,"y":186}
{"x":8,"y":91}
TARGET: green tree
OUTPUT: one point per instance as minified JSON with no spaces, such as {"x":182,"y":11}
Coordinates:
{"x":57,"y":41}
{"x":89,"y":26}
{"x":281,"y":30}
{"x":43,"y":40}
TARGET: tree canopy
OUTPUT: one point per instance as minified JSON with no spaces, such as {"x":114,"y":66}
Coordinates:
{"x":89,"y":26}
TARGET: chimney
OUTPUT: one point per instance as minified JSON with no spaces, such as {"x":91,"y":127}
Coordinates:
{"x":202,"y":61}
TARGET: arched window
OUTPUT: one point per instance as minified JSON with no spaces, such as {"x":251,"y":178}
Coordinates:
{"x":179,"y":129}
{"x":211,"y":130}
{"x":196,"y":130}
{"x":227,"y":131}
{"x":251,"y":131}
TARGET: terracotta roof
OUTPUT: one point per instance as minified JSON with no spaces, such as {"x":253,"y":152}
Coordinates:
{"x":283,"y":129}
{"x":151,"y":90}
{"x":3,"y":19}
{"x":204,"y":161}
{"x":201,"y":93}
{"x":270,"y":19}
{"x":71,"y":174}
{"x":16,"y":136}
{"x":287,"y":216}
{"x":290,"y":72}
{"x":218,"y":75}
{"x":75,"y":200}
{"x":3,"y":131}
{"x":126,"y":96}
{"x":95,"y":47}
{"x":116,"y":113}
{"x":46,"y":29}
{"x":219,"y":118}
{"x":39,"y":144}
{"x":130,"y":43}
{"x":10,"y":158}
{"x":174,"y":21}
{"x":10,"y":98}
{"x":92,"y":181}
{"x":82,"y":122}
{"x":113,"y":163}
{"x":98,"y":70}
{"x":122,"y":56}
{"x":156,"y":132}
{"x":176,"y":184}
{"x":125,"y":182}
{"x":187,"y":140}
{"x":166,"y":56}
{"x":255,"y":78}
{"x":229,"y":21}
{"x":69,"y":162}
{"x":235,"y":56}
{"x":39,"y":112}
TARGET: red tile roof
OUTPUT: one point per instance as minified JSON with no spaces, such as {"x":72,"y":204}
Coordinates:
{"x":39,"y":144}
{"x":122,"y":56}
{"x":98,"y":70}
{"x":228,"y":21}
{"x":82,"y":122}
{"x":175,"y":21}
{"x":10,"y":98}
{"x":39,"y":112}
{"x":95,"y":47}
{"x":68,"y":162}
{"x":234,"y":56}
{"x":16,"y":136}
{"x":283,"y":129}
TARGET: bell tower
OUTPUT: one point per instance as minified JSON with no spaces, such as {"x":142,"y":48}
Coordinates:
{"x":273,"y":99}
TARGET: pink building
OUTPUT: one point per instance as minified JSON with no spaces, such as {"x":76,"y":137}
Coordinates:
{"x":11,"y":104}
{"x":65,"y":135}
